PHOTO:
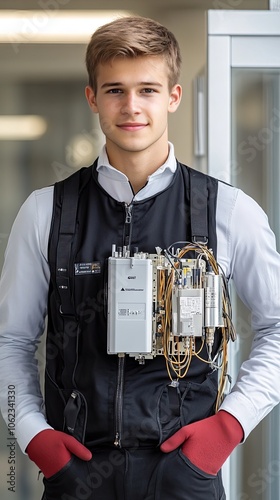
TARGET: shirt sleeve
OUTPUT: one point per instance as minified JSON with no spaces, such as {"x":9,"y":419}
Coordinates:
{"x":23,"y":308}
{"x":254,"y":265}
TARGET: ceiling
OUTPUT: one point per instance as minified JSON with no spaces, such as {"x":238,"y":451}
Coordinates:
{"x":144,"y":7}
{"x":41,"y":62}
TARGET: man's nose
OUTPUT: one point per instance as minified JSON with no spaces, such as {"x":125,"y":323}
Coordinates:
{"x":131,"y":103}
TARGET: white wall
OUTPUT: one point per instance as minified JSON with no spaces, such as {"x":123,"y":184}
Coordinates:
{"x":190,"y":29}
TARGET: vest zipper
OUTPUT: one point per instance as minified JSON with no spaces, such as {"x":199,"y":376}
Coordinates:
{"x":128,"y":224}
{"x":121,"y":358}
{"x":119,"y":401}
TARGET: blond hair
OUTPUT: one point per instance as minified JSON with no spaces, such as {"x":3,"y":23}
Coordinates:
{"x":132,"y":37}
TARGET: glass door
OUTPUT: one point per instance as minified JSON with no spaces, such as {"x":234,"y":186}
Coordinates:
{"x":256,"y":138}
{"x":244,"y":150}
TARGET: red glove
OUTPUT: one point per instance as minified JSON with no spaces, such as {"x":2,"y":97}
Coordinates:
{"x":51,"y":450}
{"x":209,"y":442}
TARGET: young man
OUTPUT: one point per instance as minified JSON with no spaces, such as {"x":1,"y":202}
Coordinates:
{"x":114,"y":427}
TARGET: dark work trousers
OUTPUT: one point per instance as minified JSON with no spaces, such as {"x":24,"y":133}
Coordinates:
{"x":133,"y":474}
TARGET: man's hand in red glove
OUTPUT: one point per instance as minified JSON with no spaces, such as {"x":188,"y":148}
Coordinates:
{"x":208,"y":442}
{"x":51,"y":450}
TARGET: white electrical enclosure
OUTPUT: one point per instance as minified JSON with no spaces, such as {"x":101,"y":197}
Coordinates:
{"x":129,"y":305}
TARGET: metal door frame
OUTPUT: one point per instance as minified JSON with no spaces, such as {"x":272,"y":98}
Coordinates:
{"x":238,"y":39}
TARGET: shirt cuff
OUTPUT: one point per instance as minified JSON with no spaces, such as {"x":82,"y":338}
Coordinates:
{"x":28,"y":427}
{"x":238,"y":405}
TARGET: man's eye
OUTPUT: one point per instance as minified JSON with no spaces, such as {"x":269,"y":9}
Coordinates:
{"x":114,"y":91}
{"x":148,"y":91}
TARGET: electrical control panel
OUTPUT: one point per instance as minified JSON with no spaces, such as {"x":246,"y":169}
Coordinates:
{"x":158,"y":304}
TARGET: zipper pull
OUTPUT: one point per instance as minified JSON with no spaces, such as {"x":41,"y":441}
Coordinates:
{"x":128,"y":213}
{"x":127,"y":225}
{"x":117,"y":441}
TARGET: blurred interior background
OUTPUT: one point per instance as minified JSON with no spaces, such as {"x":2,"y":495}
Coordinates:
{"x":43,"y":84}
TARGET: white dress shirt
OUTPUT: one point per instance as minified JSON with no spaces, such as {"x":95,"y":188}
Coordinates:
{"x":246,"y":252}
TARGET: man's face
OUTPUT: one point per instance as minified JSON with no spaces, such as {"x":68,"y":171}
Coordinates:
{"x":133,"y":100}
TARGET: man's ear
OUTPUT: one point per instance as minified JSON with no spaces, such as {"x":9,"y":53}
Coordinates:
{"x":175,"y":98}
{"x":90,"y":96}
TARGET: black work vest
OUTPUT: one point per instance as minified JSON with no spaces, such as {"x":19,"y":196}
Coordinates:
{"x":88,"y":393}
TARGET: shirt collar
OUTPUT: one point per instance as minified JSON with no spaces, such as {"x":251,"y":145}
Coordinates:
{"x":118,"y":186}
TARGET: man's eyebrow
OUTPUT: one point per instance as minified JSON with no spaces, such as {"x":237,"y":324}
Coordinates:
{"x":152,"y":84}
{"x":111,"y":84}
{"x":120,"y":84}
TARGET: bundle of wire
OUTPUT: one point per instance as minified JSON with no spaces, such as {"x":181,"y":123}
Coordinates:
{"x":178,"y":362}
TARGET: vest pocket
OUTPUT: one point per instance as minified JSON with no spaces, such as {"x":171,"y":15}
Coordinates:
{"x":75,"y":415}
{"x":198,"y":400}
{"x":178,"y":479}
{"x":169,"y":412}
{"x":72,"y":482}
{"x":186,"y":403}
